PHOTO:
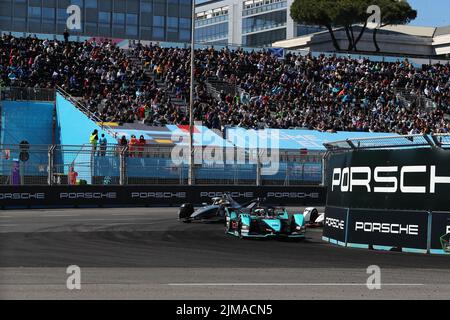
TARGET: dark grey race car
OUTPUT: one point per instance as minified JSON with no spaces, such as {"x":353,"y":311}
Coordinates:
{"x":214,"y":212}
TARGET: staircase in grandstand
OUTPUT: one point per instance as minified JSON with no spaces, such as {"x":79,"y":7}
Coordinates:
{"x":409,"y":99}
{"x":80,"y":106}
{"x":215,"y":86}
{"x":170,"y":94}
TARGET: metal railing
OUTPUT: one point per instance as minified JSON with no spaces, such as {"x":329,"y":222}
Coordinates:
{"x":145,"y":165}
{"x":27,"y":94}
{"x":80,"y":106}
{"x":414,"y":98}
{"x":441,"y":141}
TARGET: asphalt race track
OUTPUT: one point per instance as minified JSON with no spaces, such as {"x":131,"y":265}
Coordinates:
{"x":145,"y":253}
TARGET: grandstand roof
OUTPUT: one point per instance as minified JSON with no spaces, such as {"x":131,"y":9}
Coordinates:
{"x":413,"y":40}
{"x":441,"y":31}
{"x":411,"y":30}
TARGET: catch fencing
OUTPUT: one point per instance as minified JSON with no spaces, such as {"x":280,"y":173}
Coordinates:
{"x":146,"y":165}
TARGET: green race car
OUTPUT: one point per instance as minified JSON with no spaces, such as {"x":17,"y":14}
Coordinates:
{"x":263,"y":222}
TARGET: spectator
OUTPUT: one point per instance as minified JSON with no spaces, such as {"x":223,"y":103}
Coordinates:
{"x":133,"y":145}
{"x":141,"y":146}
{"x":93,"y":140}
{"x":66,"y":35}
{"x":123,"y":141}
{"x":122,"y":144}
{"x":326,"y":93}
{"x":103,"y":144}
{"x":72,"y":176}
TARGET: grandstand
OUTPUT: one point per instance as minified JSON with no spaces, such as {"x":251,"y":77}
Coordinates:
{"x":144,"y":89}
{"x":150,"y":84}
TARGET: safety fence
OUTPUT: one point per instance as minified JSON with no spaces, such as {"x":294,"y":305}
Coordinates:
{"x":147,"y":165}
{"x":27,"y":94}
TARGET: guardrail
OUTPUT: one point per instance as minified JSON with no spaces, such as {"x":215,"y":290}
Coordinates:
{"x":27,"y":94}
{"x":392,"y":142}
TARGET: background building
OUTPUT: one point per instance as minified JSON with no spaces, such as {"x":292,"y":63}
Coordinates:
{"x":162,"y":20}
{"x":246,"y":22}
{"x":399,"y":40}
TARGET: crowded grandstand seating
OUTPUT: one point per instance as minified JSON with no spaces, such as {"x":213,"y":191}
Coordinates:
{"x":326,"y":93}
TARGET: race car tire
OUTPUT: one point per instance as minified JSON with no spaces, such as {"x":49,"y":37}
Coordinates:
{"x":292,"y":223}
{"x":313,"y":216}
{"x":227,"y":227}
{"x":239,"y":229}
{"x":185,"y":211}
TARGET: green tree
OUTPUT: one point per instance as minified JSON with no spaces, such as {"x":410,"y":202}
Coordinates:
{"x":348,"y":13}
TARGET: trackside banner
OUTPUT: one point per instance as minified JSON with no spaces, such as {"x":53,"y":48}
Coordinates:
{"x":400,"y":229}
{"x":11,"y":196}
{"x":335,"y":223}
{"x":416,"y":179}
{"x":440,"y":231}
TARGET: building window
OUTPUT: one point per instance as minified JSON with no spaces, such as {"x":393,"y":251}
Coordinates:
{"x":132,"y":19}
{"x":34,"y":12}
{"x":185,"y":35}
{"x":211,"y":33}
{"x":158,"y":21}
{"x":146,"y":7}
{"x":132,"y":30}
{"x":185,"y":23}
{"x":264,"y":21}
{"x":62,"y":15}
{"x":48,"y":14}
{"x":78,"y":2}
{"x":119,"y":18}
{"x":158,"y":32}
{"x":104,"y":17}
{"x":264,"y":38}
{"x":92,"y":4}
{"x":172,"y":22}
{"x":259,"y":6}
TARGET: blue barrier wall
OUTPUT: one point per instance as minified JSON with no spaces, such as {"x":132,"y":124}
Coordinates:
{"x":74,"y":129}
{"x":31,"y":121}
{"x":73,"y":126}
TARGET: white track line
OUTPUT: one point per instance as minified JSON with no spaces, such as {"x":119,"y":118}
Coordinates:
{"x":292,"y":284}
{"x":115,"y":221}
{"x":59,"y":215}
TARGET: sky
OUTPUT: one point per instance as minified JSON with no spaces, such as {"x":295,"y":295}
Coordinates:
{"x":431,"y":13}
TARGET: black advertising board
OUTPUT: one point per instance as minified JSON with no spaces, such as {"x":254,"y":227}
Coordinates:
{"x":88,"y":195}
{"x":411,"y":179}
{"x":440,"y":226}
{"x":403,"y":229}
{"x":335,"y":223}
